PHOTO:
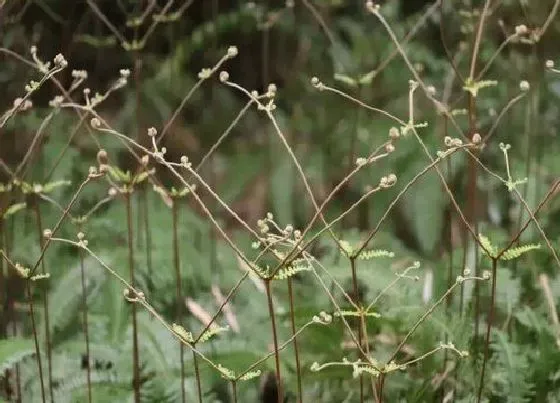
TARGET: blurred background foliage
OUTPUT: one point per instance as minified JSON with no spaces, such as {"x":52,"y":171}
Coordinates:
{"x":253,"y":172}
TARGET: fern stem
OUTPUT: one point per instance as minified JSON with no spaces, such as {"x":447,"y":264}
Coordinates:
{"x":357,"y":302}
{"x":531,"y":126}
{"x":4,"y":307}
{"x":147,"y":236}
{"x":472,"y":195}
{"x":85,"y":319}
{"x":39,"y":223}
{"x":234,"y":391}
{"x":488,"y":329}
{"x":449,"y":234}
{"x":296,"y":350}
{"x":275,"y":340}
{"x":135,"y":358}
{"x":380,"y":386}
{"x":197,"y":376}
{"x":36,"y":340}
{"x":179,"y":297}
{"x":10,"y":310}
{"x":363,"y":324}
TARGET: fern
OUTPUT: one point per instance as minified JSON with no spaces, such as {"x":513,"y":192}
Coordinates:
{"x":66,"y":297}
{"x":183,"y":333}
{"x":13,"y":351}
{"x":372,"y":254}
{"x":357,"y":314}
{"x":214,"y":330}
{"x":250,"y":375}
{"x":290,"y":271}
{"x":489,"y":249}
{"x":511,"y":370}
{"x":510,"y":254}
{"x":520,"y":250}
{"x":14,"y":208}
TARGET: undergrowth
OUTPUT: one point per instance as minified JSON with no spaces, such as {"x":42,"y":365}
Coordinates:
{"x":411,"y":258}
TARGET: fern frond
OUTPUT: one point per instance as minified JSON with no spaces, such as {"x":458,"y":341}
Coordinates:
{"x":226,"y":372}
{"x":346,"y":247}
{"x":208,"y":334}
{"x":357,"y":313}
{"x":520,"y":250}
{"x":14,"y":208}
{"x":250,"y":375}
{"x":290,"y":271}
{"x":490,"y":249}
{"x":14,"y":350}
{"x":512,"y":371}
{"x":360,"y":369}
{"x":372,"y":254}
{"x":182,"y":333}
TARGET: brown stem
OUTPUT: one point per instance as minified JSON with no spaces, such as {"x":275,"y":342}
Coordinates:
{"x":363,"y":323}
{"x":8,"y":239}
{"x":36,"y":339}
{"x":531,"y":126}
{"x":472,"y":193}
{"x":179,"y":296}
{"x":380,"y":386}
{"x":197,"y":376}
{"x":234,"y":391}
{"x":3,"y":308}
{"x":38,"y":217}
{"x":85,"y":319}
{"x":275,"y":339}
{"x":357,"y":302}
{"x":135,"y":363}
{"x":296,"y":351}
{"x":488,"y":329}
{"x":449,"y":265}
{"x":147,"y":236}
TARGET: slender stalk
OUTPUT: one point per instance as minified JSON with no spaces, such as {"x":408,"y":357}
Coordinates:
{"x":3,"y":299}
{"x":363,"y":323}
{"x":472,"y":193}
{"x":450,"y":279}
{"x":357,"y":302}
{"x":531,"y":127}
{"x":473,"y":168}
{"x":8,"y":239}
{"x":177,"y":265}
{"x":85,"y":324}
{"x":380,"y":386}
{"x":234,"y":391}
{"x":296,"y":351}
{"x":147,"y":235}
{"x":197,"y":376}
{"x":3,"y":308}
{"x":275,"y":339}
{"x":36,"y":340}
{"x":488,"y":329}
{"x":135,"y":356}
{"x":39,"y":222}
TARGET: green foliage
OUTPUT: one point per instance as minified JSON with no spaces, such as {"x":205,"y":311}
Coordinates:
{"x":511,"y":372}
{"x":13,"y":351}
{"x":509,"y":254}
{"x":253,"y":172}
